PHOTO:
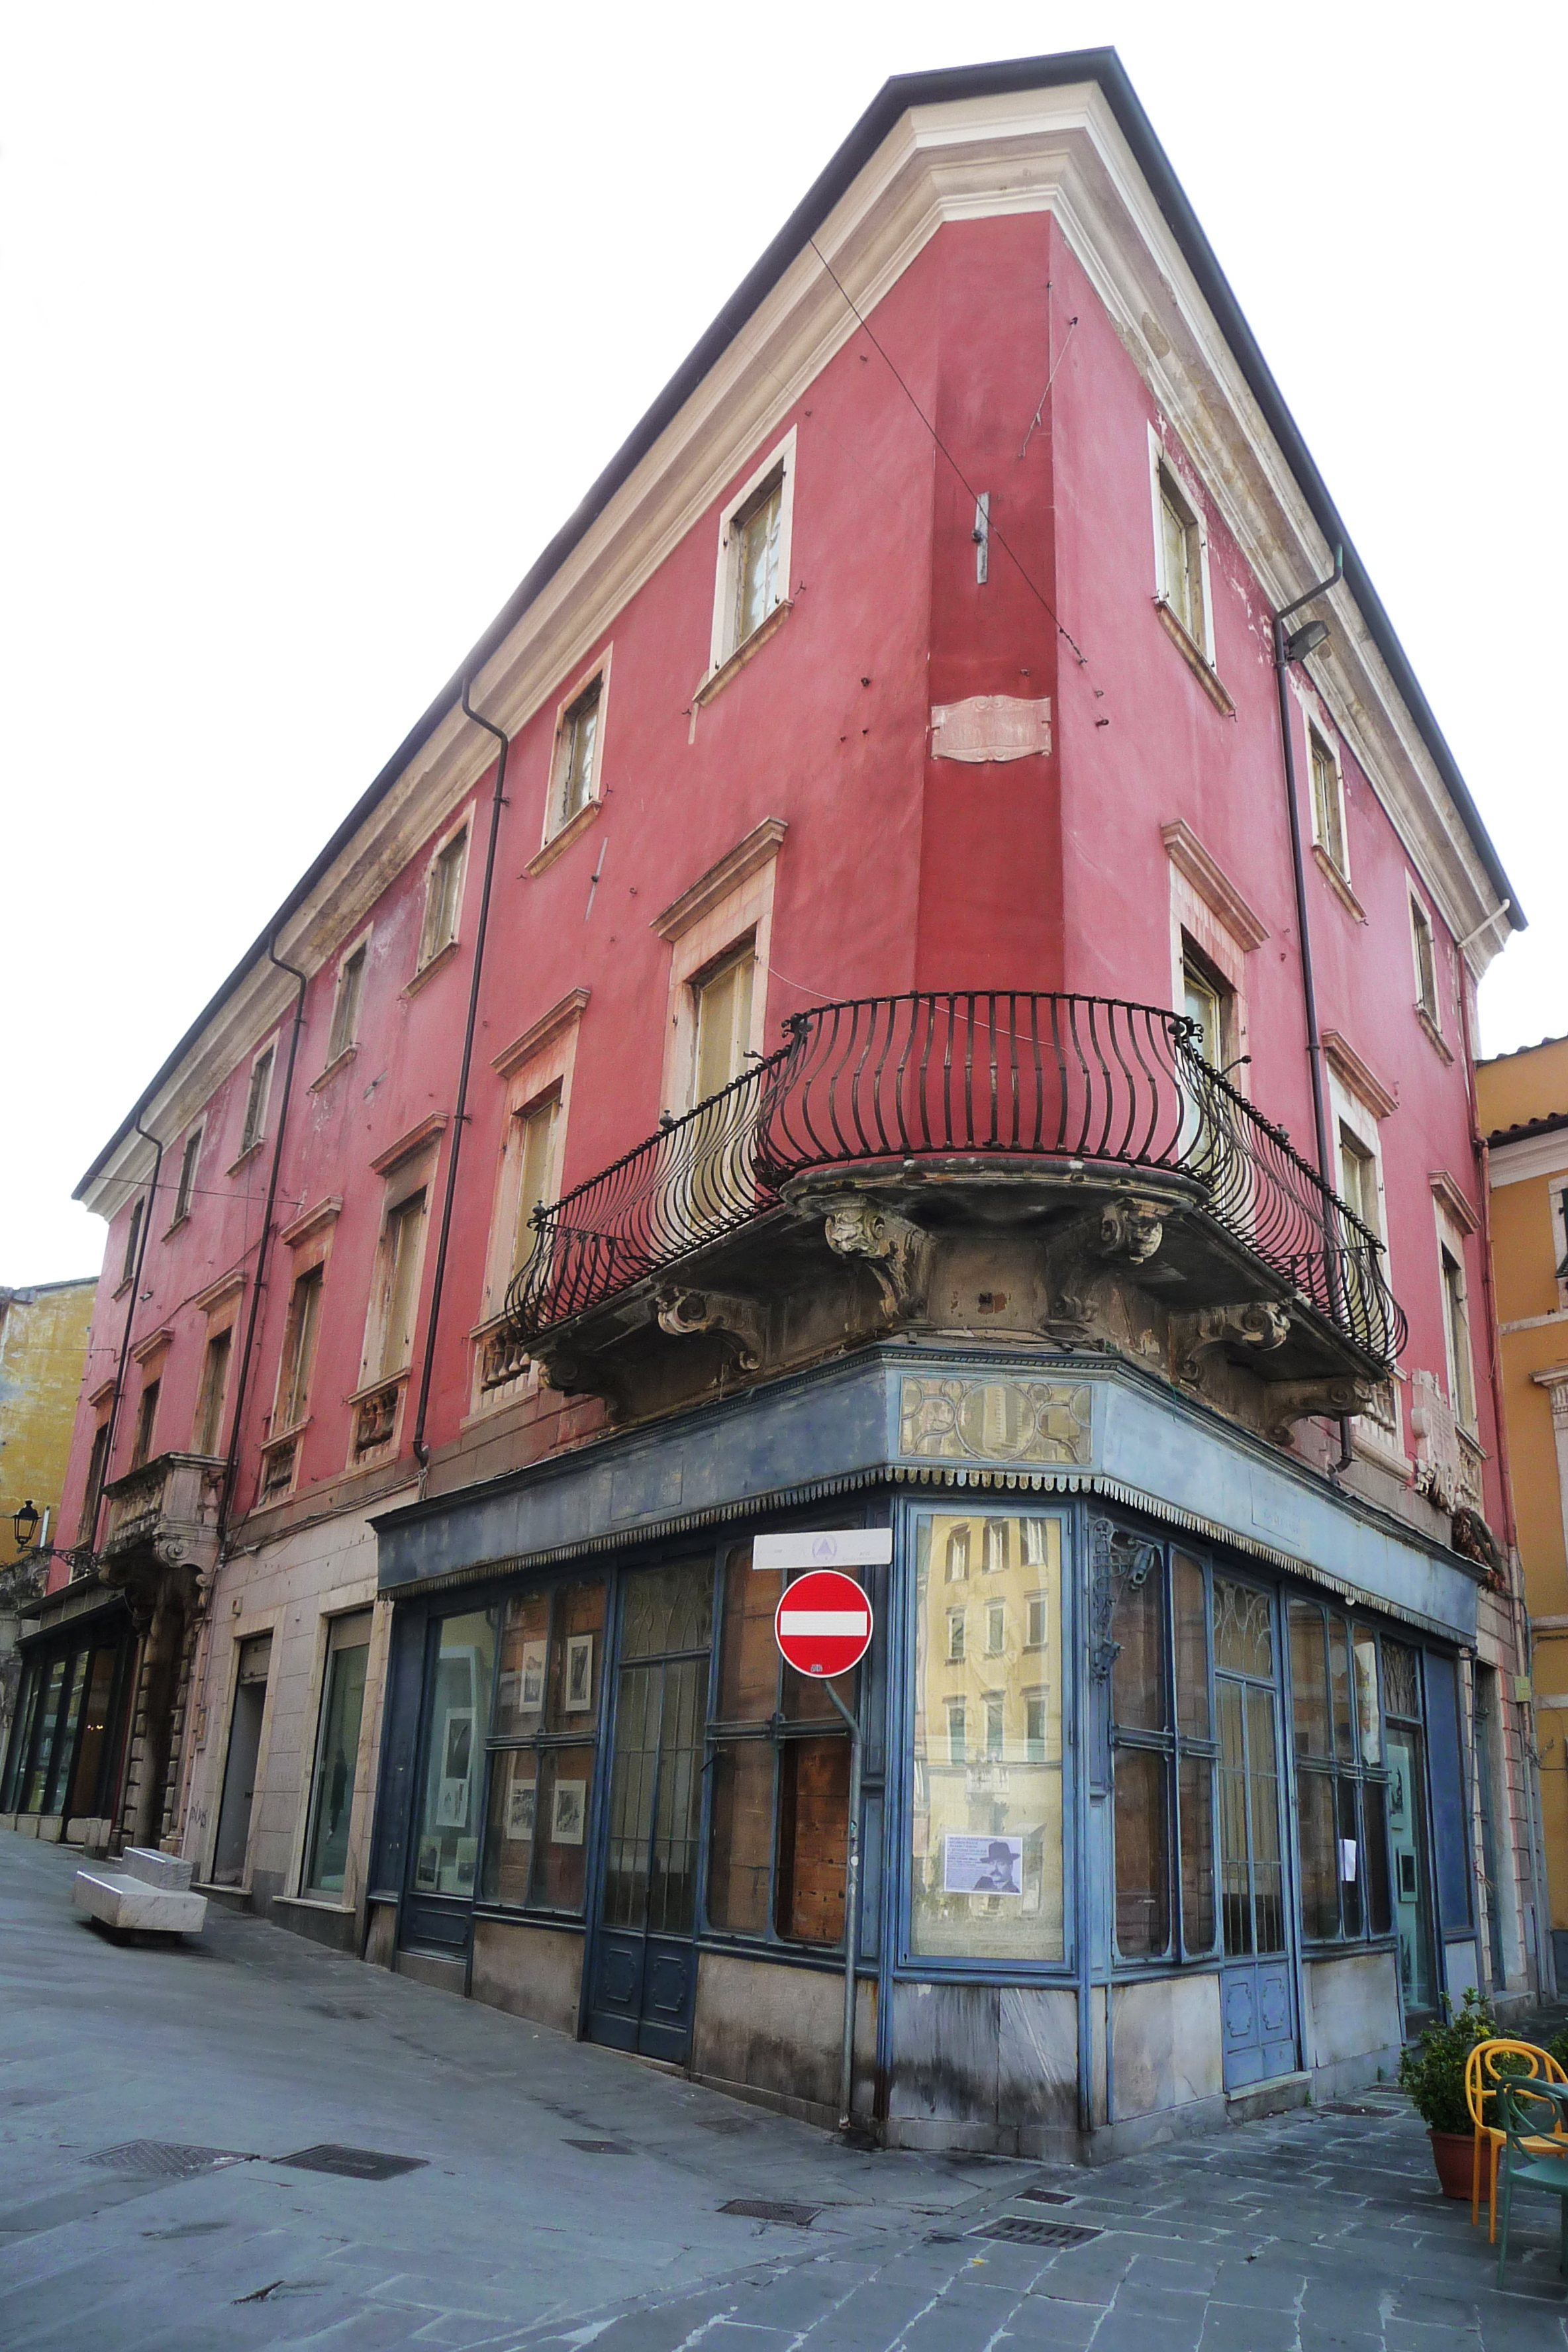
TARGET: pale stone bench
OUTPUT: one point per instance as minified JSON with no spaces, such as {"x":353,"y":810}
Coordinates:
{"x":148,"y":1891}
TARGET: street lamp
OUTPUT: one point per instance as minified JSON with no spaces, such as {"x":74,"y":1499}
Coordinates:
{"x":26,"y":1523}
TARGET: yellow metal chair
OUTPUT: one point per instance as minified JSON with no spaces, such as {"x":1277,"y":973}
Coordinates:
{"x":1484,"y":2070}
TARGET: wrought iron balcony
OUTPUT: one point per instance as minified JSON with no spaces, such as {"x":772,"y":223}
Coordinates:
{"x":929,"y":1095}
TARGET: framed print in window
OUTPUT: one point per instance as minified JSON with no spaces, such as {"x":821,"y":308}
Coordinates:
{"x":569,"y":1814}
{"x":579,"y":1695}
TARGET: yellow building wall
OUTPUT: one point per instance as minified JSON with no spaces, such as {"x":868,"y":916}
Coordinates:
{"x":43,"y":1348}
{"x":1526,"y":1243}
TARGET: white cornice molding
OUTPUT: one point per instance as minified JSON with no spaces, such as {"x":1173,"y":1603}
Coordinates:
{"x":1058,"y":151}
{"x":1531,"y":1156}
{"x":1212,"y":884}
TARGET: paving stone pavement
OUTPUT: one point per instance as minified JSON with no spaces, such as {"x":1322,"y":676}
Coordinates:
{"x":1321,"y":2231}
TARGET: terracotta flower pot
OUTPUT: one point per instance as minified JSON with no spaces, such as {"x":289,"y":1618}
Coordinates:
{"x":1453,"y":2153}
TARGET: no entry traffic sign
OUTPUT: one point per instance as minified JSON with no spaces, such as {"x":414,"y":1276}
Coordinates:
{"x":823,"y":1623}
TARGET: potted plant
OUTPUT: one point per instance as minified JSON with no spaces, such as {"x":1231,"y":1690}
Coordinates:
{"x":1432,"y":2070}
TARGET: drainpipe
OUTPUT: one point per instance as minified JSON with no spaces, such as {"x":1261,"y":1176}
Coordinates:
{"x":460,"y":1113}
{"x":231,"y":1467}
{"x":1283,"y":657}
{"x":107,"y":1473}
{"x":1545,"y":1966}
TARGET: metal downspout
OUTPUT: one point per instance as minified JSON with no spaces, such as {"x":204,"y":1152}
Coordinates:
{"x":460,"y":1113}
{"x":1299,"y":869}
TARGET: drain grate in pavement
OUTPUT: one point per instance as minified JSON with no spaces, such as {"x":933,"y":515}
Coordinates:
{"x":602,"y":2146}
{"x":1044,"y":2197}
{"x":166,"y":2159}
{"x":1346,"y":2108}
{"x":773,"y":2208}
{"x":351,"y":2163}
{"x":1022,"y":2229}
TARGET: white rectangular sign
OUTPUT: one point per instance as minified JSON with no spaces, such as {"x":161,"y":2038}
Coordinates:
{"x":847,"y":1625}
{"x":826,"y":1548}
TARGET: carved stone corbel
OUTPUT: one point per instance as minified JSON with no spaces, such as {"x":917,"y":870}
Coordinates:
{"x":897,"y":1253}
{"x":571,"y":1375}
{"x":1285,"y":1403}
{"x":738,"y":1321}
{"x":1128,"y":1230}
{"x":1257,"y":1325}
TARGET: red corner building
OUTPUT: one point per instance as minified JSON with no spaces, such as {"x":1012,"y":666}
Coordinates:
{"x":920,"y":981}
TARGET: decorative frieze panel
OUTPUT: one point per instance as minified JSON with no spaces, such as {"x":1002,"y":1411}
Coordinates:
{"x":969,"y":1420}
{"x":990,"y":727}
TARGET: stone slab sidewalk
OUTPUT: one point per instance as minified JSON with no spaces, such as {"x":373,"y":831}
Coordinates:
{"x":565,"y":2196}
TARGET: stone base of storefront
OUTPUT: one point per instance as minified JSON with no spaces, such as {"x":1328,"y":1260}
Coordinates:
{"x":322,"y":1923}
{"x":528,"y":1971}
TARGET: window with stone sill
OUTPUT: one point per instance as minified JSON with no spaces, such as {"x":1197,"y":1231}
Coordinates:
{"x":1341,"y":1783}
{"x":347,"y":1001}
{"x":779,"y":1755}
{"x":1424,"y":952}
{"x":146,"y":1424}
{"x":549,"y":1685}
{"x":1457,"y":1326}
{"x":986,"y":1857}
{"x":184,"y":1190}
{"x":1328,"y":804}
{"x":133,"y":1238}
{"x":207,"y":1429}
{"x":443,"y":897}
{"x":1164,"y":1750}
{"x":94,"y":1487}
{"x":299,"y":1358}
{"x":577,"y":756}
{"x":260,"y":1086}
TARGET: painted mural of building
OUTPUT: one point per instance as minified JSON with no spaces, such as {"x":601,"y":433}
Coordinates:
{"x":1523,"y":1106}
{"x":43,"y":1348}
{"x":813,"y":1029}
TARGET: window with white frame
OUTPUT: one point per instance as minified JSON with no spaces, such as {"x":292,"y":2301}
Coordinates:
{"x":1181,"y":555}
{"x":442,"y":897}
{"x":1358,"y":1178}
{"x":1560,"y":1240}
{"x":206,"y":1432}
{"x":257,"y":1093}
{"x":538,"y":1130}
{"x":346,"y":1002}
{"x":722,"y":1026}
{"x":754,"y":553}
{"x":1328,"y":800}
{"x":298,"y":1359}
{"x":133,"y":1242}
{"x":184,"y":1190}
{"x":394,"y":1294}
{"x":576,"y":772}
{"x":1424,"y":947}
{"x":1457,"y":1325}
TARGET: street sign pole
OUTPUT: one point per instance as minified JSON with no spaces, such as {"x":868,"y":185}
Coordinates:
{"x":823,"y":1627}
{"x":851,"y":1916}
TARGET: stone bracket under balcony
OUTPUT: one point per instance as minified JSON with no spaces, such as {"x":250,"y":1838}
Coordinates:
{"x":1039,"y":1255}
{"x":162,"y":1528}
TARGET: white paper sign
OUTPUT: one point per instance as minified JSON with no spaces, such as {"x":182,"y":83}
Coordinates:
{"x":826,"y":1548}
{"x":979,"y":1865}
{"x":1347,"y":1861}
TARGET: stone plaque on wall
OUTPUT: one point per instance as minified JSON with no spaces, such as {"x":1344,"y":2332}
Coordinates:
{"x":990,"y":727}
{"x":958,"y":1420}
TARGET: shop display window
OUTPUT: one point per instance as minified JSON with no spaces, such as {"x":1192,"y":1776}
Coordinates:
{"x":551,"y":1674}
{"x":446,"y":1835}
{"x":987,"y":1805}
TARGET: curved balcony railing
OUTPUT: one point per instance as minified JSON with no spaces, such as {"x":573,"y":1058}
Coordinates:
{"x":992,"y":1076}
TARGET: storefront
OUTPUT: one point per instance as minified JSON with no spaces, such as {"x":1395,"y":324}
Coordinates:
{"x":64,"y":1764}
{"x":1158,"y":1807}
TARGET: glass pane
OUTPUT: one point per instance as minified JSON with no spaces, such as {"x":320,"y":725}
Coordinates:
{"x":48,"y":1715}
{"x":1195,"y":1789}
{"x":1339,"y":1687}
{"x":447,"y":1849}
{"x":749,"y":1662}
{"x":1192,"y":1645}
{"x":576,"y":1659}
{"x":561,"y":1827}
{"x":1379,"y":1896}
{"x":986,"y":1819}
{"x":739,"y":1854}
{"x":21,"y":1736}
{"x":1263,"y":1789}
{"x":1408,"y":1844}
{"x":1138,"y":1674}
{"x":508,"y":1835}
{"x":1401,"y":1682}
{"x":65,"y":1740}
{"x":524,"y":1661}
{"x":672,"y":1884}
{"x":1234,"y":1878}
{"x":814,"y":1817}
{"x":1369,"y":1732}
{"x":668,"y":1609}
{"x":1142,"y":1864}
{"x":1243,"y":1634}
{"x":1352,"y":1861}
{"x":334,"y":1792}
{"x":632,"y":1783}
{"x":1320,"y":1855}
{"x":1309,"y":1680}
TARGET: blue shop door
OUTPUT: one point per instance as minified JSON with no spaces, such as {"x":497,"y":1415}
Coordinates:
{"x":1257,"y":1995}
{"x":643,"y":1980}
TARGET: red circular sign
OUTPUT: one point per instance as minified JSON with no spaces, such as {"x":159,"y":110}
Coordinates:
{"x":823,"y":1622}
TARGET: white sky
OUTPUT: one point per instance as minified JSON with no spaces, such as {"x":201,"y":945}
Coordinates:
{"x":318,"y":321}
